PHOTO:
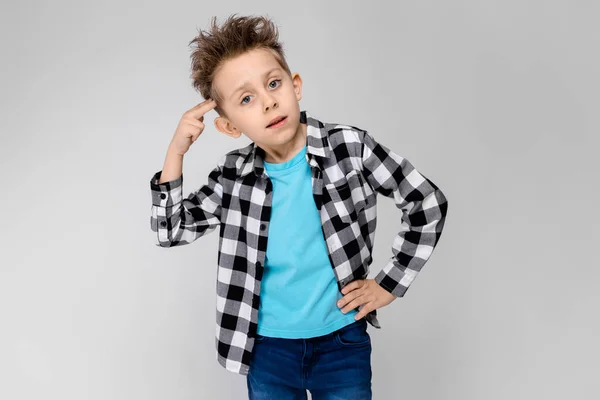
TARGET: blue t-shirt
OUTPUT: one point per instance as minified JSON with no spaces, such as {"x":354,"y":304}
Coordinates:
{"x":299,"y":292}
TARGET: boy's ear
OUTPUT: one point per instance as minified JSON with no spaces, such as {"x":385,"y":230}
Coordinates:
{"x":297,"y":83}
{"x":224,"y":126}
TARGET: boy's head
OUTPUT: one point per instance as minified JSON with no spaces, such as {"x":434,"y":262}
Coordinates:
{"x":246,"y":50}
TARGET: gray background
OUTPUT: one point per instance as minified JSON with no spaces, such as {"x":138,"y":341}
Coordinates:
{"x":495,"y":101}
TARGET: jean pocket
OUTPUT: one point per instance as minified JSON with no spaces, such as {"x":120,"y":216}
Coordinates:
{"x":353,"y":335}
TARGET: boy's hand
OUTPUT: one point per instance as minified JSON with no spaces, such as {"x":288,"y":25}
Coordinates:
{"x":365,"y":292}
{"x":190,"y":127}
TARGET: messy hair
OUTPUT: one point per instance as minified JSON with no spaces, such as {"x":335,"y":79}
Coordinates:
{"x":236,"y":36}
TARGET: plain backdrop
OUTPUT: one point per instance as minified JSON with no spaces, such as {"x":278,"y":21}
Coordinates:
{"x":495,"y":101}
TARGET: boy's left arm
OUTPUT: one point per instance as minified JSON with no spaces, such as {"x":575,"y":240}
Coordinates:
{"x":424,"y":208}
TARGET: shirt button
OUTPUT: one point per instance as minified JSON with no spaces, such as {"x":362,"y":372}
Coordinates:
{"x":263,"y":227}
{"x":163,"y":196}
{"x":163,"y":223}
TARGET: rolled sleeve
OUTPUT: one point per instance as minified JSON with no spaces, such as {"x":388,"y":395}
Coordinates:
{"x":177,"y":220}
{"x":167,"y":193}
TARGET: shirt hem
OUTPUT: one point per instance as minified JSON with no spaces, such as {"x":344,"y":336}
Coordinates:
{"x":337,"y":324}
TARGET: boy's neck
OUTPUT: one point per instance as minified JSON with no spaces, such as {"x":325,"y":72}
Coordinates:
{"x":288,"y":150}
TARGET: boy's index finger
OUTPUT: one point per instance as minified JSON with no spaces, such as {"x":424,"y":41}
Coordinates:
{"x":202,"y":108}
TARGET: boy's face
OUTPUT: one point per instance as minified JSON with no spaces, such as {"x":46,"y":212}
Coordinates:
{"x":268,"y":93}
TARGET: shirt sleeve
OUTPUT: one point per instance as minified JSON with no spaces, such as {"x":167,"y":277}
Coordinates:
{"x":178,"y":221}
{"x":423,"y":205}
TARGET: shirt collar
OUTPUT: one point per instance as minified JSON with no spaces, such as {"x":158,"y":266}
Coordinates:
{"x":317,"y":147}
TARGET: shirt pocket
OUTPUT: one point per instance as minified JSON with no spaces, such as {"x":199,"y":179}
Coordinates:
{"x":348,"y":196}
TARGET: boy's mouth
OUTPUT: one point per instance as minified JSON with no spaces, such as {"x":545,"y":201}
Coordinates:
{"x":278,"y":123}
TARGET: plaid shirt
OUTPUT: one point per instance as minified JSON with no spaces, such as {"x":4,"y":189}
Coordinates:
{"x":348,"y":168}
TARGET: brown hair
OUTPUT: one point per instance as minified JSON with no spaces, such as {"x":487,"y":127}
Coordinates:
{"x":236,"y":36}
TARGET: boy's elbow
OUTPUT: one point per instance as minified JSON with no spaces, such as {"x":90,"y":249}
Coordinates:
{"x":443,"y":204}
{"x":440,"y":199}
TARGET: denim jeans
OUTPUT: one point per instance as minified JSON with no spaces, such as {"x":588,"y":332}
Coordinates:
{"x":336,"y":366}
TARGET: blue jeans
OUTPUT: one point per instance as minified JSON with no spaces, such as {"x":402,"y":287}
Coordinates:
{"x":336,"y":366}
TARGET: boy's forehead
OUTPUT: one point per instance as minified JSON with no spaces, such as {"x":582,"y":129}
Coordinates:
{"x":245,"y":69}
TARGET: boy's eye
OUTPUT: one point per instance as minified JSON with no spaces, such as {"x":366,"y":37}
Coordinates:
{"x":275,"y":80}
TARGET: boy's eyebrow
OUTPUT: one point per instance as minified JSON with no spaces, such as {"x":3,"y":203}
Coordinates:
{"x":246,"y":83}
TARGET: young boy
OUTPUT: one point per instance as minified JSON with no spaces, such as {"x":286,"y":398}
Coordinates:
{"x":290,"y":313}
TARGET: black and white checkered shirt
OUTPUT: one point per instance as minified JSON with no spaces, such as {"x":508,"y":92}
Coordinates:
{"x":348,"y":168}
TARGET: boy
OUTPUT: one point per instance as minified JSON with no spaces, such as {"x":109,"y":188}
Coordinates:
{"x":308,"y":189}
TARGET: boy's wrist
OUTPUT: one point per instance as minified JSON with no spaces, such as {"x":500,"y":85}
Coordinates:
{"x":173,"y":166}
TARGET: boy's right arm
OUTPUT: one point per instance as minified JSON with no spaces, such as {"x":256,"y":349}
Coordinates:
{"x":175,"y":220}
{"x":178,"y":221}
